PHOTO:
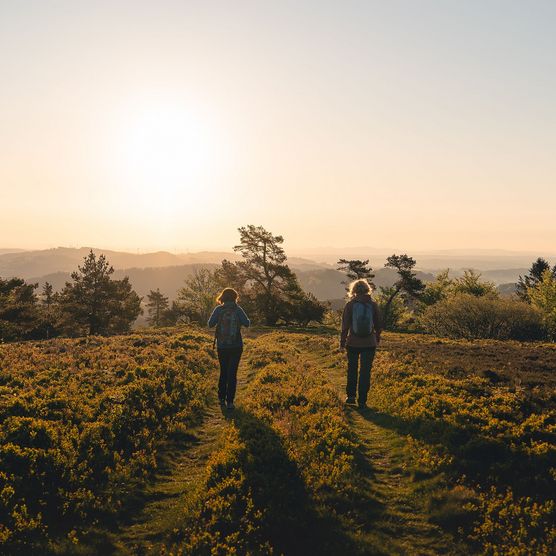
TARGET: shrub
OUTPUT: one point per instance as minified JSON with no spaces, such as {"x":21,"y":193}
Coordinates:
{"x":80,"y":425}
{"x":468,"y":316}
{"x":543,"y":297}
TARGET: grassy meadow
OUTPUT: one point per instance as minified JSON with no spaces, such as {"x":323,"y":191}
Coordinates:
{"x":117,"y":446}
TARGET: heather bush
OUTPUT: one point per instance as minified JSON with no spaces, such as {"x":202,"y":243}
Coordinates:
{"x":469,"y":316}
{"x":80,"y":425}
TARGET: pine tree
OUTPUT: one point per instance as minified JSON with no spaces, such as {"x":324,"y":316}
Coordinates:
{"x":19,"y":312}
{"x":356,"y":269}
{"x":532,"y":278}
{"x":264,"y":265}
{"x":48,"y":300}
{"x":93,"y":303}
{"x":157,"y":303}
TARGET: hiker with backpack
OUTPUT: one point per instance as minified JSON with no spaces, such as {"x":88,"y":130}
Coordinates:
{"x":360,"y":336}
{"x":228,"y":317}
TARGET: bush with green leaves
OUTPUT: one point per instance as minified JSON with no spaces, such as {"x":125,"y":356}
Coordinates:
{"x":543,"y":296}
{"x":469,"y":316}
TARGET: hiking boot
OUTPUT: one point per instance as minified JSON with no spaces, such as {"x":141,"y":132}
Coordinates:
{"x":230,"y":405}
{"x":350,"y":401}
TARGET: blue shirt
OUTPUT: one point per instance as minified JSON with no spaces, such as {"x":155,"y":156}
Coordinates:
{"x":242,"y":317}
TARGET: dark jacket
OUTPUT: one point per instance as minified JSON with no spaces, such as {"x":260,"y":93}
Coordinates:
{"x":347,"y":338}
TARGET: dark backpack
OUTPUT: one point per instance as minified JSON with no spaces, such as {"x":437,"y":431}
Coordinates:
{"x":227,"y":329}
{"x":362,"y":319}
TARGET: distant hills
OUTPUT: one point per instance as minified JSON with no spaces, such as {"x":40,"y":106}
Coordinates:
{"x":169,"y":279}
{"x":432,"y":261}
{"x":32,"y":264}
{"x":4,"y":251}
{"x":167,"y":271}
{"x":28,"y":264}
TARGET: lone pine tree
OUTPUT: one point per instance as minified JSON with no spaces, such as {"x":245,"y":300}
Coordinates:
{"x":93,"y":303}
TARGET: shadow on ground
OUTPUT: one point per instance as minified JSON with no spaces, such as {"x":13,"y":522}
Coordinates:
{"x":475,"y":454}
{"x":294,"y":522}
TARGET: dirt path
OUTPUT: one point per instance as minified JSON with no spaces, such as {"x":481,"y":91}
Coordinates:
{"x":401,"y":526}
{"x":174,"y":487}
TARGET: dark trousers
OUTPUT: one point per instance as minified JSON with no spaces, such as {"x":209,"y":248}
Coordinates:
{"x":229,"y":362}
{"x":359,"y":359}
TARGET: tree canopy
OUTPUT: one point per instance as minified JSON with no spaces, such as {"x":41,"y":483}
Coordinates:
{"x":533,"y":277}
{"x":355,"y":269}
{"x":93,"y":303}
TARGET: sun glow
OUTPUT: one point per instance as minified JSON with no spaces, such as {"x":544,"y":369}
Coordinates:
{"x":167,"y":158}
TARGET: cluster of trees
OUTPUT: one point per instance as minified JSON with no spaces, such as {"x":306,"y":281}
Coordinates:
{"x":465,"y":307}
{"x":94,"y":303}
{"x":538,"y":288}
{"x":269,"y":290}
{"x":91,"y":303}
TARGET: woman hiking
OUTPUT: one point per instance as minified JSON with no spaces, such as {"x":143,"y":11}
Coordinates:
{"x":360,"y":336}
{"x":228,"y":317}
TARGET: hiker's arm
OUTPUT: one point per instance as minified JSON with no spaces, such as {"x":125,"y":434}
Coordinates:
{"x":345,"y":327}
{"x":243,"y":318}
{"x":213,"y":320}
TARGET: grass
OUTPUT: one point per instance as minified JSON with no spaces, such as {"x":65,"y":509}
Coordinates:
{"x":454,"y":456}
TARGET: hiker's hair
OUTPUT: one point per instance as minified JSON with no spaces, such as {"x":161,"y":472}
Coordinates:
{"x":359,"y":287}
{"x":227,"y":294}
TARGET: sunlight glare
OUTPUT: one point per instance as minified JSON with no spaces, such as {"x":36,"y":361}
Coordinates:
{"x":167,"y":157}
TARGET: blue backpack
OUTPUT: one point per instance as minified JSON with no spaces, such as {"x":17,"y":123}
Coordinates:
{"x":362,"y":319}
{"x":227,"y":329}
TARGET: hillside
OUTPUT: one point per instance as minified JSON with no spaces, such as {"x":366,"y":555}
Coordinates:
{"x":28,"y":264}
{"x":164,"y":269}
{"x":324,"y":283}
{"x":169,"y":279}
{"x":116,"y":446}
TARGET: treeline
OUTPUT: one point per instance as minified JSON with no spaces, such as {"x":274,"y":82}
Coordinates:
{"x":269,"y":290}
{"x":93,"y":303}
{"x":465,"y":307}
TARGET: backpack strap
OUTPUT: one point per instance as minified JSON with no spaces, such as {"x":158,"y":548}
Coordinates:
{"x":216,"y":331}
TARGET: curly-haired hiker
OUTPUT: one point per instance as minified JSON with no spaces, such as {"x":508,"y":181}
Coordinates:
{"x":228,"y":317}
{"x":360,"y":336}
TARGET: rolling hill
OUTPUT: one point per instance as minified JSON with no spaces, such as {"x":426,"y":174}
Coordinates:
{"x":167,"y":271}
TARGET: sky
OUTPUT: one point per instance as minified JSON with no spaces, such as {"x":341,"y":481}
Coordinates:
{"x":167,"y":125}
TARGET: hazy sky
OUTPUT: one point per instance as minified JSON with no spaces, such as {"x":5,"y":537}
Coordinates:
{"x":168,"y":124}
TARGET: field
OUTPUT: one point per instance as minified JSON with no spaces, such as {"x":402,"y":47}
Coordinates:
{"x":117,"y":446}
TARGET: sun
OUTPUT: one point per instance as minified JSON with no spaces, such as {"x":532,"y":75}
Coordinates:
{"x":167,"y":156}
